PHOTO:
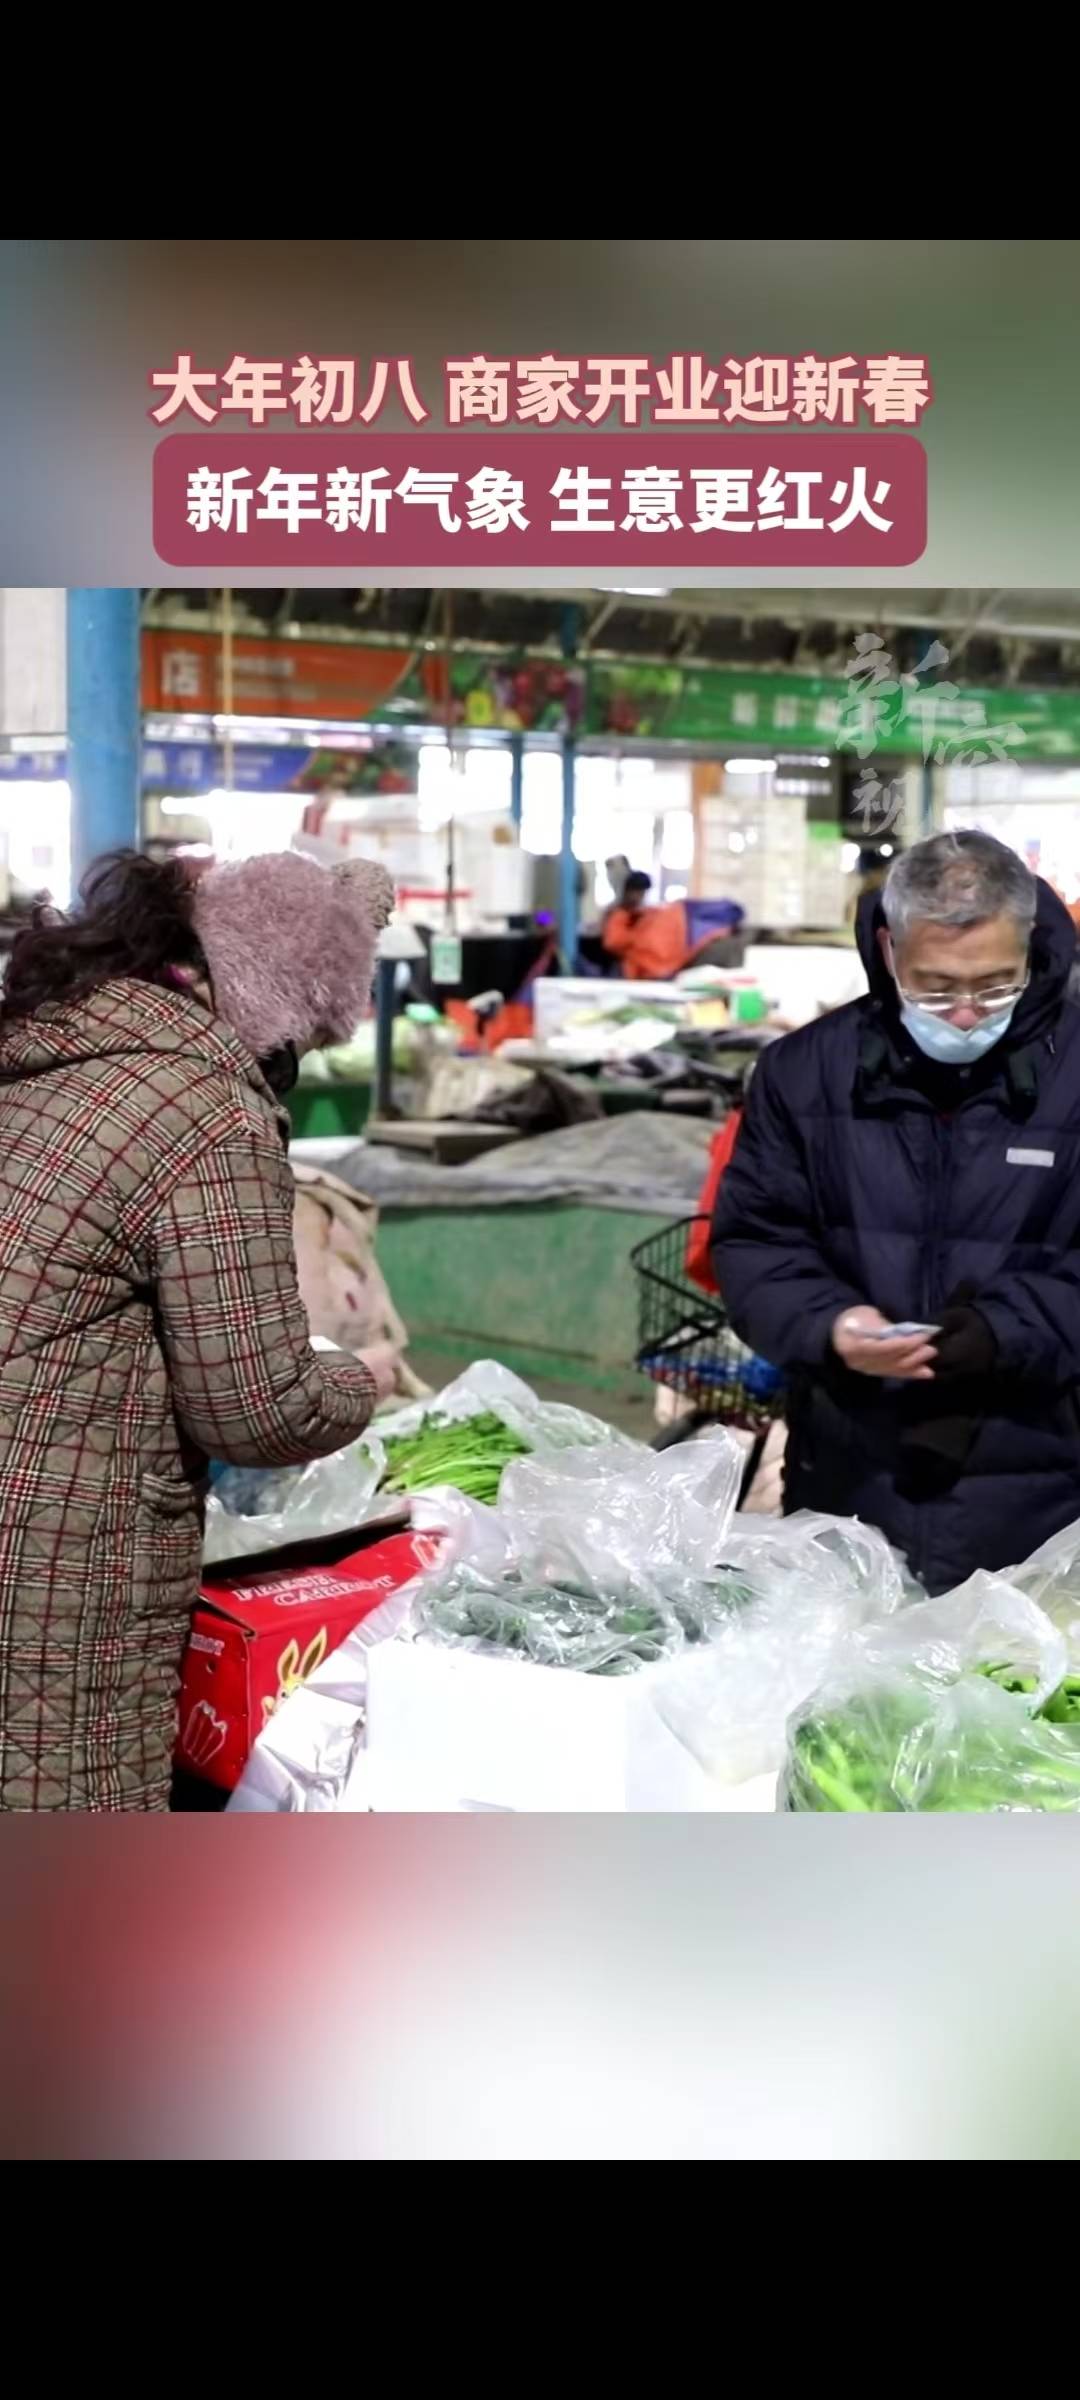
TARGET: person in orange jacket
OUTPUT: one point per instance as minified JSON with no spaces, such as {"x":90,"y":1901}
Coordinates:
{"x":649,"y":942}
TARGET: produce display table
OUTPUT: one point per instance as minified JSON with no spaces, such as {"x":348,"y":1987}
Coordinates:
{"x":450,"y":1141}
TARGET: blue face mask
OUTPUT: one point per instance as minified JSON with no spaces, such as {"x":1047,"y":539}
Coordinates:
{"x":947,"y":1043}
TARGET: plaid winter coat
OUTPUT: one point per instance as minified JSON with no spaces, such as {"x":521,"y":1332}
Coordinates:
{"x":149,"y":1317}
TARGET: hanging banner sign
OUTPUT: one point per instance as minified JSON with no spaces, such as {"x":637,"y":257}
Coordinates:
{"x":182,"y":673}
{"x":179,"y":768}
{"x":513,"y":693}
{"x":921,"y":714}
{"x":870,"y":710}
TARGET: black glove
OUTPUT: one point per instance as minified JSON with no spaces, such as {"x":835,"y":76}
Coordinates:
{"x":942,"y":1423}
{"x":965,"y":1346}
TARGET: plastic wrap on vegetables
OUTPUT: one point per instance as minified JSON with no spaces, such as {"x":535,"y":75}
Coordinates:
{"x":806,"y":1584}
{"x":462,"y":1441}
{"x":1051,"y":1576}
{"x":601,"y":1561}
{"x":487,"y":1389}
{"x":910,"y":1743}
{"x":253,"y":1509}
{"x":965,"y":1702}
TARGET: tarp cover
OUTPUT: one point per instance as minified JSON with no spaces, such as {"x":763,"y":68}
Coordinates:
{"x":642,"y":1161}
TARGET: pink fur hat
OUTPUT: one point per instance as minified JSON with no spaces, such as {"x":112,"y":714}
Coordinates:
{"x":291,"y":946}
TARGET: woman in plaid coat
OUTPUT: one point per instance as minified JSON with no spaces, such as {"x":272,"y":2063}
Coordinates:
{"x":149,"y":1311}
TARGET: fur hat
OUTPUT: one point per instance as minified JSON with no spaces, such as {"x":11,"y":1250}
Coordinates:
{"x":290,"y":946}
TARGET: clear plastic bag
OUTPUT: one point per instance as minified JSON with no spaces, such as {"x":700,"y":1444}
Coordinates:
{"x":910,"y":1743}
{"x":601,"y":1560}
{"x":545,"y":1425}
{"x":960,"y":1702}
{"x":1051,"y":1576}
{"x":252,"y":1510}
{"x":987,"y":1622}
{"x":799,"y":1590}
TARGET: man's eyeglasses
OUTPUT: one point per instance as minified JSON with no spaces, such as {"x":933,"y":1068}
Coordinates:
{"x":941,"y":1004}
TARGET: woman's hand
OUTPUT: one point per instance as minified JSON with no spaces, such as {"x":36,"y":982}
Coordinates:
{"x":905,"y":1357}
{"x":381,"y":1363}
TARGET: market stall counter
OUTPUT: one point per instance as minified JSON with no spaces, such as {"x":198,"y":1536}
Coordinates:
{"x":574,"y":1622}
{"x":594,"y":1630}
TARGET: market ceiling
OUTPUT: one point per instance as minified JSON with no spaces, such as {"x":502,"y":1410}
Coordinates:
{"x":1022,"y":637}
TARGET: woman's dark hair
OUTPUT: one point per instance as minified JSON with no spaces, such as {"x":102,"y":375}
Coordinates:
{"x":134,"y":918}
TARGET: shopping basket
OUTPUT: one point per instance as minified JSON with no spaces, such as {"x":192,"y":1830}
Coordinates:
{"x":686,"y":1342}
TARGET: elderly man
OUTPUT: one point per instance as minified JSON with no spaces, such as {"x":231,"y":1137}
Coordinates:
{"x":899,"y":1227}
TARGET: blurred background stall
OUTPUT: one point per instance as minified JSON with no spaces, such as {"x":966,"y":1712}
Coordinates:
{"x":511,"y":756}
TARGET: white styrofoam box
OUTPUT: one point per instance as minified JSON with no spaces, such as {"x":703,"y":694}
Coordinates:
{"x":556,"y":997}
{"x":451,"y":1730}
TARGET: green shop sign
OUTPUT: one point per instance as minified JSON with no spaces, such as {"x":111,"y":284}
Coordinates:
{"x":869,"y":712}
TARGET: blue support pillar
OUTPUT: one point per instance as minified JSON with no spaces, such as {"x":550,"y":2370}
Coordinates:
{"x":569,"y":633}
{"x":517,"y":773}
{"x":103,"y":723}
{"x":568,"y":872}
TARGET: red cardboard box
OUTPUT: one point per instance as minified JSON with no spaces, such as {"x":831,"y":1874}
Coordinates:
{"x":256,"y":1635}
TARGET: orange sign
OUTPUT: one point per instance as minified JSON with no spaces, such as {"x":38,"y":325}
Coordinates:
{"x":182,"y":673}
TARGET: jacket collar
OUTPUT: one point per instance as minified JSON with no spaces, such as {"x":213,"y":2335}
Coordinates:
{"x":891,"y":1074}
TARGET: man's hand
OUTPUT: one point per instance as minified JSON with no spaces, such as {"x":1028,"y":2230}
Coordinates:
{"x":856,"y":1339}
{"x":381,"y":1364}
{"x":963,"y":1345}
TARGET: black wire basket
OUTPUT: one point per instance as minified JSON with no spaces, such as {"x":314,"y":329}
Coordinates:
{"x":686,"y":1343}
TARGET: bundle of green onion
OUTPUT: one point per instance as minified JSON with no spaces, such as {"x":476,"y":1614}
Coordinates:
{"x":469,"y":1453}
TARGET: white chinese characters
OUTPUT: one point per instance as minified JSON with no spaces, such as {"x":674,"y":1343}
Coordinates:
{"x":686,"y":389}
{"x":650,"y":500}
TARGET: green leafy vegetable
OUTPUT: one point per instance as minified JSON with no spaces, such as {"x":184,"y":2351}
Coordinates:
{"x":555,"y":1625}
{"x":920,"y":1745}
{"x":468,"y":1452}
{"x":1061,"y":1708}
{"x":608,"y":1632}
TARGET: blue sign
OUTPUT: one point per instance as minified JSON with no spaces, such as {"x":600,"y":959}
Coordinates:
{"x":174,"y":769}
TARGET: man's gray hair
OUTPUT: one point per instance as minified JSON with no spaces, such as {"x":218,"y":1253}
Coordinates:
{"x":958,"y":879}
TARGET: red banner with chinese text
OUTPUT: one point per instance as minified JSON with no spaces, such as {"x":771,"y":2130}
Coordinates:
{"x":182,"y":672}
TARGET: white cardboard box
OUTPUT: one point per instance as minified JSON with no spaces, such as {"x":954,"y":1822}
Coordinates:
{"x":451,"y":1730}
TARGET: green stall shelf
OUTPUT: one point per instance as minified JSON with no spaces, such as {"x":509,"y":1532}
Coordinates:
{"x":324,"y":1111}
{"x":548,"y":1290}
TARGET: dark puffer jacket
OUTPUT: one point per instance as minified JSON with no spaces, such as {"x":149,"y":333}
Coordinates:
{"x":865,"y":1174}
